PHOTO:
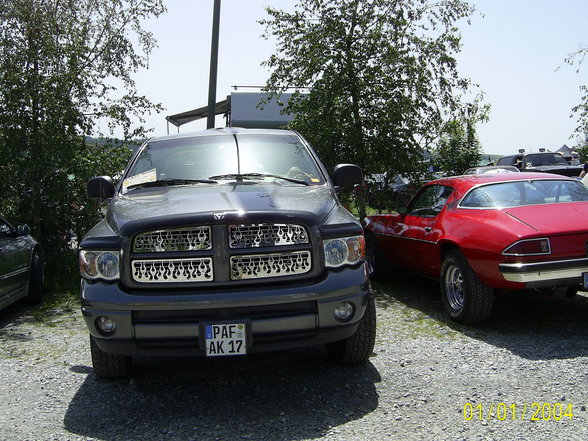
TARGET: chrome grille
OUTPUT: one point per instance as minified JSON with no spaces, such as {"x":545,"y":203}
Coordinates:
{"x":270,"y":265}
{"x":177,"y":239}
{"x":264,"y":235}
{"x":172,"y":270}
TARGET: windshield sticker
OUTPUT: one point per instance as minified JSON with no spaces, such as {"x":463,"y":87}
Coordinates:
{"x":147,"y":176}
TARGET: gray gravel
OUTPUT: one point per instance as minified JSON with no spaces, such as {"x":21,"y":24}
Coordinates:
{"x":424,"y":370}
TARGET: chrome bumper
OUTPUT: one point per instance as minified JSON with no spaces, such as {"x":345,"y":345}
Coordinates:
{"x":560,"y":272}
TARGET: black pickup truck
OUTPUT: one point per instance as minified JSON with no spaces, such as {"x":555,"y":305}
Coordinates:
{"x":225,"y":242}
{"x":544,"y":162}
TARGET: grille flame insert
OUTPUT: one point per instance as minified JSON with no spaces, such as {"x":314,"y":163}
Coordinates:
{"x":262,"y":266}
{"x":173,"y":270}
{"x":177,"y":239}
{"x":266,"y":235}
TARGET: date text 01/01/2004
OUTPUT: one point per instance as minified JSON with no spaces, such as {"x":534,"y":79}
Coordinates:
{"x":527,"y":411}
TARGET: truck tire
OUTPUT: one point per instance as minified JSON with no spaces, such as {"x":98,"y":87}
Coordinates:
{"x":360,"y":346}
{"x":107,"y":365}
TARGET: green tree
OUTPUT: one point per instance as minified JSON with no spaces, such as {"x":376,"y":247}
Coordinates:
{"x":582,"y":151}
{"x":64,"y":65}
{"x":459,"y":147}
{"x":380,"y":73}
{"x":581,"y":110}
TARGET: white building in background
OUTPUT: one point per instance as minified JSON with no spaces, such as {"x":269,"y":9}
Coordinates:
{"x":242,"y":109}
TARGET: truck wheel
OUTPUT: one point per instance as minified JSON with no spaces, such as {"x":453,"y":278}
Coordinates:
{"x":36,"y":276}
{"x":360,"y":345}
{"x":107,"y":365}
{"x":465,"y":298}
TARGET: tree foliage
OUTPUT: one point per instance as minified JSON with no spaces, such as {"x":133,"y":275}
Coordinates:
{"x":459,"y":147}
{"x":580,"y":110}
{"x":381,"y":76}
{"x":582,"y":151}
{"x":64,"y":66}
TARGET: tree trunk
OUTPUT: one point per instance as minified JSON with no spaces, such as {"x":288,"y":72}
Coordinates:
{"x":35,"y":144}
{"x":358,"y":137}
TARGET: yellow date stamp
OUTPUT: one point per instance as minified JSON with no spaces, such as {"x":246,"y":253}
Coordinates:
{"x":517,"y":412}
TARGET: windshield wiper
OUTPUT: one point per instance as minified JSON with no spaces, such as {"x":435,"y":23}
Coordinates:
{"x":258,"y":175}
{"x":166,"y":182}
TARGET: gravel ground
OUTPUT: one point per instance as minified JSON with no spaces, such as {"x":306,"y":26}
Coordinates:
{"x":424,"y":371}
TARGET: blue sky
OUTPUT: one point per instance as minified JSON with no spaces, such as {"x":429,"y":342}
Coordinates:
{"x":514,"y":50}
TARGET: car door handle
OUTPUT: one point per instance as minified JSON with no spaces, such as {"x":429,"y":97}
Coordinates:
{"x":428,"y":229}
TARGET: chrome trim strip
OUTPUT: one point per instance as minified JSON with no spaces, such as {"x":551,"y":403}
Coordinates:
{"x":563,"y":178}
{"x":14,"y":273}
{"x":407,"y":238}
{"x":543,"y":271}
{"x":504,"y":253}
{"x":299,"y":322}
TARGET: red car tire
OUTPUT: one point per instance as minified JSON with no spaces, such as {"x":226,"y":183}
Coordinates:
{"x":464,"y":296}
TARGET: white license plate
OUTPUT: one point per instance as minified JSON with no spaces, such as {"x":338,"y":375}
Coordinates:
{"x":585,"y":277}
{"x":225,"y":339}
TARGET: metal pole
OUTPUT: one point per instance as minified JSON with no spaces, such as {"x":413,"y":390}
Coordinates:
{"x":211,"y":113}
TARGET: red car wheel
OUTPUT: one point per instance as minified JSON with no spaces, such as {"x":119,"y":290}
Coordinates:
{"x":465,"y":297}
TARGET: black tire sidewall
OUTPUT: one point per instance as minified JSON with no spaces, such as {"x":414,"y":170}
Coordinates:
{"x":36,"y":278}
{"x":449,"y":261}
{"x":472,"y":310}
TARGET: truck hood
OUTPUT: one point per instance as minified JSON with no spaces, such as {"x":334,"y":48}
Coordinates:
{"x":553,"y":220}
{"x":200,"y":203}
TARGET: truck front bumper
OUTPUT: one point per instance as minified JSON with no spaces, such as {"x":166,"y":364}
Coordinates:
{"x":160,"y":323}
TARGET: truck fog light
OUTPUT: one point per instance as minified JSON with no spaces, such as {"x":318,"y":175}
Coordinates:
{"x":105,"y":325}
{"x":344,"y":311}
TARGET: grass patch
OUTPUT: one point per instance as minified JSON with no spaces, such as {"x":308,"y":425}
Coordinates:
{"x":412,"y":313}
{"x":55,"y":304}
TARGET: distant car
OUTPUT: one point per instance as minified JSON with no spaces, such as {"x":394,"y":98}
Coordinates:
{"x":391,"y":192}
{"x":543,"y":162}
{"x":21,"y":265}
{"x":479,"y":234}
{"x":491,"y":169}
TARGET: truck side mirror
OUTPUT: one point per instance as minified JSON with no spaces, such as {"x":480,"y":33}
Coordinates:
{"x":347,"y":176}
{"x":100,"y":187}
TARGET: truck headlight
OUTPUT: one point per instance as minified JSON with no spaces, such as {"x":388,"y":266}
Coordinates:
{"x":99,"y":264}
{"x":344,"y":251}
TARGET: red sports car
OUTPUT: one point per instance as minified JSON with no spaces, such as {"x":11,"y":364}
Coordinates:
{"x":481,"y":233}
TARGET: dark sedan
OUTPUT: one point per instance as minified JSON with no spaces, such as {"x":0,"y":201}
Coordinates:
{"x":21,"y":265}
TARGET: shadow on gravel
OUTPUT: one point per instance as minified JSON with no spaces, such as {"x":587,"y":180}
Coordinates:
{"x":12,"y":317}
{"x":14,"y":313}
{"x":530,"y":325}
{"x":287,"y":395}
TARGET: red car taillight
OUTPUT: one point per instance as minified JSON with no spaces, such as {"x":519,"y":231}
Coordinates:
{"x":528,"y":247}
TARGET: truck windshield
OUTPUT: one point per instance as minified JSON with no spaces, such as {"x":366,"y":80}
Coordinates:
{"x":544,"y":159}
{"x":201,"y":158}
